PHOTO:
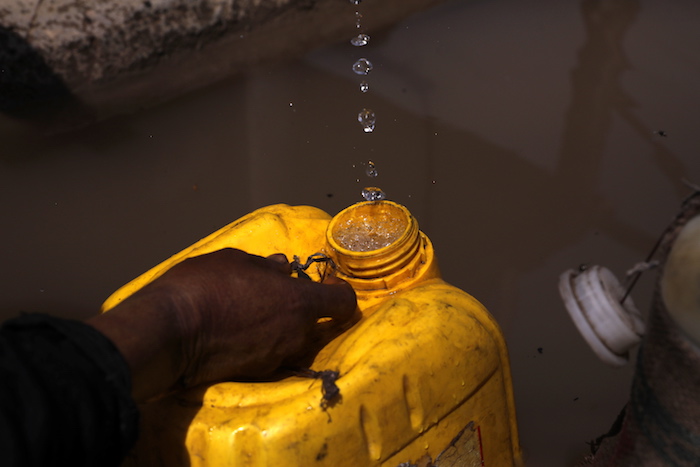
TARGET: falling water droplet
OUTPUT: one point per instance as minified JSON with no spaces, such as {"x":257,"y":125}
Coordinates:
{"x":372,"y":193}
{"x":362,"y":66}
{"x":371,"y":169}
{"x":355,"y":2}
{"x":364,"y":86}
{"x":367,"y":119}
{"x":360,"y":40}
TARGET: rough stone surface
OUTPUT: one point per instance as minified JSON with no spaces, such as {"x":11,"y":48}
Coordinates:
{"x":114,"y":56}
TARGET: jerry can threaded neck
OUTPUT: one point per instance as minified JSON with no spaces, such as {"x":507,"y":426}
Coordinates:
{"x":377,"y":244}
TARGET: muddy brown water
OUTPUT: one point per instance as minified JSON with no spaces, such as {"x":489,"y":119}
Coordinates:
{"x":527,"y":138}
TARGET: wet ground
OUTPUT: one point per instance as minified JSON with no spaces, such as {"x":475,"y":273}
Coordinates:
{"x":527,"y":137}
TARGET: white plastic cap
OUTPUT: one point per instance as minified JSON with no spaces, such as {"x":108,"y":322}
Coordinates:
{"x":592,"y":298}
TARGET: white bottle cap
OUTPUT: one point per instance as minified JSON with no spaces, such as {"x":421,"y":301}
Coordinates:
{"x":592,"y":298}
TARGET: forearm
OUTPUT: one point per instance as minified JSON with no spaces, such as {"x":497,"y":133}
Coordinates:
{"x":148,"y":335}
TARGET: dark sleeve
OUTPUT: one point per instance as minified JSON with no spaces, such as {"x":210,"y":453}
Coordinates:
{"x":65,"y":395}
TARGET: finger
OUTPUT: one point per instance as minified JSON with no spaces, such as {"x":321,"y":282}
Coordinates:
{"x":279,"y":257}
{"x":333,"y":280}
{"x":334,"y":299}
{"x":280,"y":262}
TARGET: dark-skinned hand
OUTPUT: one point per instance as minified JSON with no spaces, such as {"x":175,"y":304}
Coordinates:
{"x":223,"y":315}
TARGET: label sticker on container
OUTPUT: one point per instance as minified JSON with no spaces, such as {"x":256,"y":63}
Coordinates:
{"x":465,"y":449}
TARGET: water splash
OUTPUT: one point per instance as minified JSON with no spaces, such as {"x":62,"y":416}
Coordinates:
{"x":367,"y":119}
{"x":369,"y":233}
{"x":364,"y":86}
{"x":362,"y":66}
{"x":371,"y":169}
{"x":360,"y":40}
{"x":372,"y":193}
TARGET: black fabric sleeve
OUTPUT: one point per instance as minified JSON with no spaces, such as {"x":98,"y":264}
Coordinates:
{"x":65,"y":395}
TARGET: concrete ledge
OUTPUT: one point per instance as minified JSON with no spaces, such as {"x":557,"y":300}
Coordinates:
{"x":85,"y":60}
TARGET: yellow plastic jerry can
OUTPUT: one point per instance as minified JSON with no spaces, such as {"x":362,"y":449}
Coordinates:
{"x":423,"y":377}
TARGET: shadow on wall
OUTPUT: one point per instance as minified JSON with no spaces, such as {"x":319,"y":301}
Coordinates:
{"x":30,"y":89}
{"x":597,"y":96}
{"x":524,"y":201}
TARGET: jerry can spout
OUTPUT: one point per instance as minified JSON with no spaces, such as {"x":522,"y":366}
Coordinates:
{"x":379,"y":249}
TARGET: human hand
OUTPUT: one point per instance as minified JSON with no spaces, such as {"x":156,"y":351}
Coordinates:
{"x":222,"y":315}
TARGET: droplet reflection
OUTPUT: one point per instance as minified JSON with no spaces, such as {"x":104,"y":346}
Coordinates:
{"x":371,"y":170}
{"x":372,"y":193}
{"x":360,"y":40}
{"x":367,"y":119}
{"x":362,"y":66}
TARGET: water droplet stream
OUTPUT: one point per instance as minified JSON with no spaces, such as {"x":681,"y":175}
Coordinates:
{"x":360,"y":40}
{"x":371,"y":170}
{"x":367,"y":119}
{"x":372,"y":193}
{"x":362,"y":66}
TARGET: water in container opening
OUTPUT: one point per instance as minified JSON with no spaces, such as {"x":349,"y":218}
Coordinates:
{"x":370,"y":232}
